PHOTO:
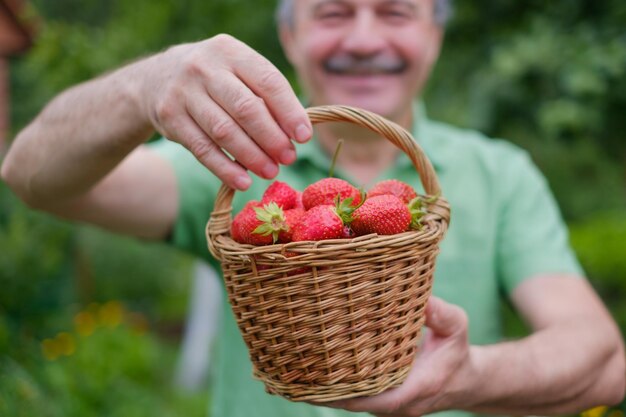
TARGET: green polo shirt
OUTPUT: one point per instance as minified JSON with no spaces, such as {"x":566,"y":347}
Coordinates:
{"x":505,"y":228}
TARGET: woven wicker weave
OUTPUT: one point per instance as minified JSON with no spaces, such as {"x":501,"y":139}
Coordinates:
{"x":333,"y":319}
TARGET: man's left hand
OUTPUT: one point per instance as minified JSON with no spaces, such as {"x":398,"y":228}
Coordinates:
{"x":439,"y":375}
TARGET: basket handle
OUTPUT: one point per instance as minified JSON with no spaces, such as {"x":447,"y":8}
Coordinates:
{"x":400,"y":137}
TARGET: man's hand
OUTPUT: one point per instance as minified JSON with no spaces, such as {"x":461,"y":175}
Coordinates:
{"x":438,"y":375}
{"x":573,"y":360}
{"x":80,"y":157}
{"x":219,"y":96}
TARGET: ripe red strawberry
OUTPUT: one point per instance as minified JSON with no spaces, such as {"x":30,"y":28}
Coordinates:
{"x":325,"y":191}
{"x":383,"y":214}
{"x":292,"y":218}
{"x":258,"y":225}
{"x":398,"y":188}
{"x":244,"y":216}
{"x":319,"y":223}
{"x":280,"y":193}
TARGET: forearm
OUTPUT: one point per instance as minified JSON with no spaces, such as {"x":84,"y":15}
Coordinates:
{"x":78,"y":138}
{"x":228,"y":105}
{"x":556,"y":370}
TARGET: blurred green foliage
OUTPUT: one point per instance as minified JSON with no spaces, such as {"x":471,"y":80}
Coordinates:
{"x":601,"y":246}
{"x":52,"y":273}
{"x":114,"y":371}
{"x":33,"y":264}
{"x":549,"y":76}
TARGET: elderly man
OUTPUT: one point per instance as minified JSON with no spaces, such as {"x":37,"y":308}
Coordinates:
{"x":82,"y":158}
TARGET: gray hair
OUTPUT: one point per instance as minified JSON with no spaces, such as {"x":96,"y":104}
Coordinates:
{"x":284,"y":12}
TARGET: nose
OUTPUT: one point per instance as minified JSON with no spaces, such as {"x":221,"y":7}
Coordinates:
{"x":364,"y":37}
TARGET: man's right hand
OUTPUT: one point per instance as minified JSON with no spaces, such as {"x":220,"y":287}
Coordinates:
{"x":219,"y":96}
{"x":80,"y":158}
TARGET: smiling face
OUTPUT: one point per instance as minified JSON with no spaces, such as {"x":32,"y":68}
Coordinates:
{"x":373,"y":54}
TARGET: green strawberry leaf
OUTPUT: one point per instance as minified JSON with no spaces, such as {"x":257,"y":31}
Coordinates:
{"x":418,"y":209}
{"x":345,"y":208}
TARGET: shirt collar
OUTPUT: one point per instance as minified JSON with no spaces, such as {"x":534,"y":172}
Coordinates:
{"x":421,"y":131}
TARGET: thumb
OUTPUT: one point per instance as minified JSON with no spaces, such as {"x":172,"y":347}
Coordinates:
{"x":445,"y":319}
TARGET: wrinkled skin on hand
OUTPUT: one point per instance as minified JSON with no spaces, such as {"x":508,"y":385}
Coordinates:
{"x":219,"y":97}
{"x":439,"y":373}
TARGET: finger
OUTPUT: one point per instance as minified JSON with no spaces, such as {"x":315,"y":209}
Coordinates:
{"x":270,"y":84}
{"x":192,"y":137}
{"x":222,"y":129}
{"x":252,"y":115}
{"x":444,"y":319}
{"x":389,"y":401}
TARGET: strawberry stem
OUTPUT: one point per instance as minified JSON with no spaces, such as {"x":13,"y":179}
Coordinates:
{"x":331,"y":171}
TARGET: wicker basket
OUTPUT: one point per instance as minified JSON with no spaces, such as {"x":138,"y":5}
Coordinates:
{"x":333,"y":319}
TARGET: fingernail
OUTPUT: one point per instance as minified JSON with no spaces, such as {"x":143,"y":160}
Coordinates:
{"x":303,"y":133}
{"x":243,"y":182}
{"x":270,"y":171}
{"x":288,"y":156}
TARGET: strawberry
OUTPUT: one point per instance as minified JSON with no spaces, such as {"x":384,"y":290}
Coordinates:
{"x":271,"y":223}
{"x":292,"y":218}
{"x":280,"y":193}
{"x":324,"y":192}
{"x":256,"y":225}
{"x":259,"y":224}
{"x":319,"y":223}
{"x":398,"y":188}
{"x":244,"y":216}
{"x":383,"y":214}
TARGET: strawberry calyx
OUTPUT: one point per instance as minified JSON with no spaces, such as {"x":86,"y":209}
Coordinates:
{"x":345,"y":208}
{"x":272,"y":219}
{"x":417,"y":208}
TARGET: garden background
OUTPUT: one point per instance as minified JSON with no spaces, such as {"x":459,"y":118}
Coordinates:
{"x":90,"y":323}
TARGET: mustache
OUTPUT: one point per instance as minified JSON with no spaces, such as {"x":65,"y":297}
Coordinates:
{"x":347,"y":64}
